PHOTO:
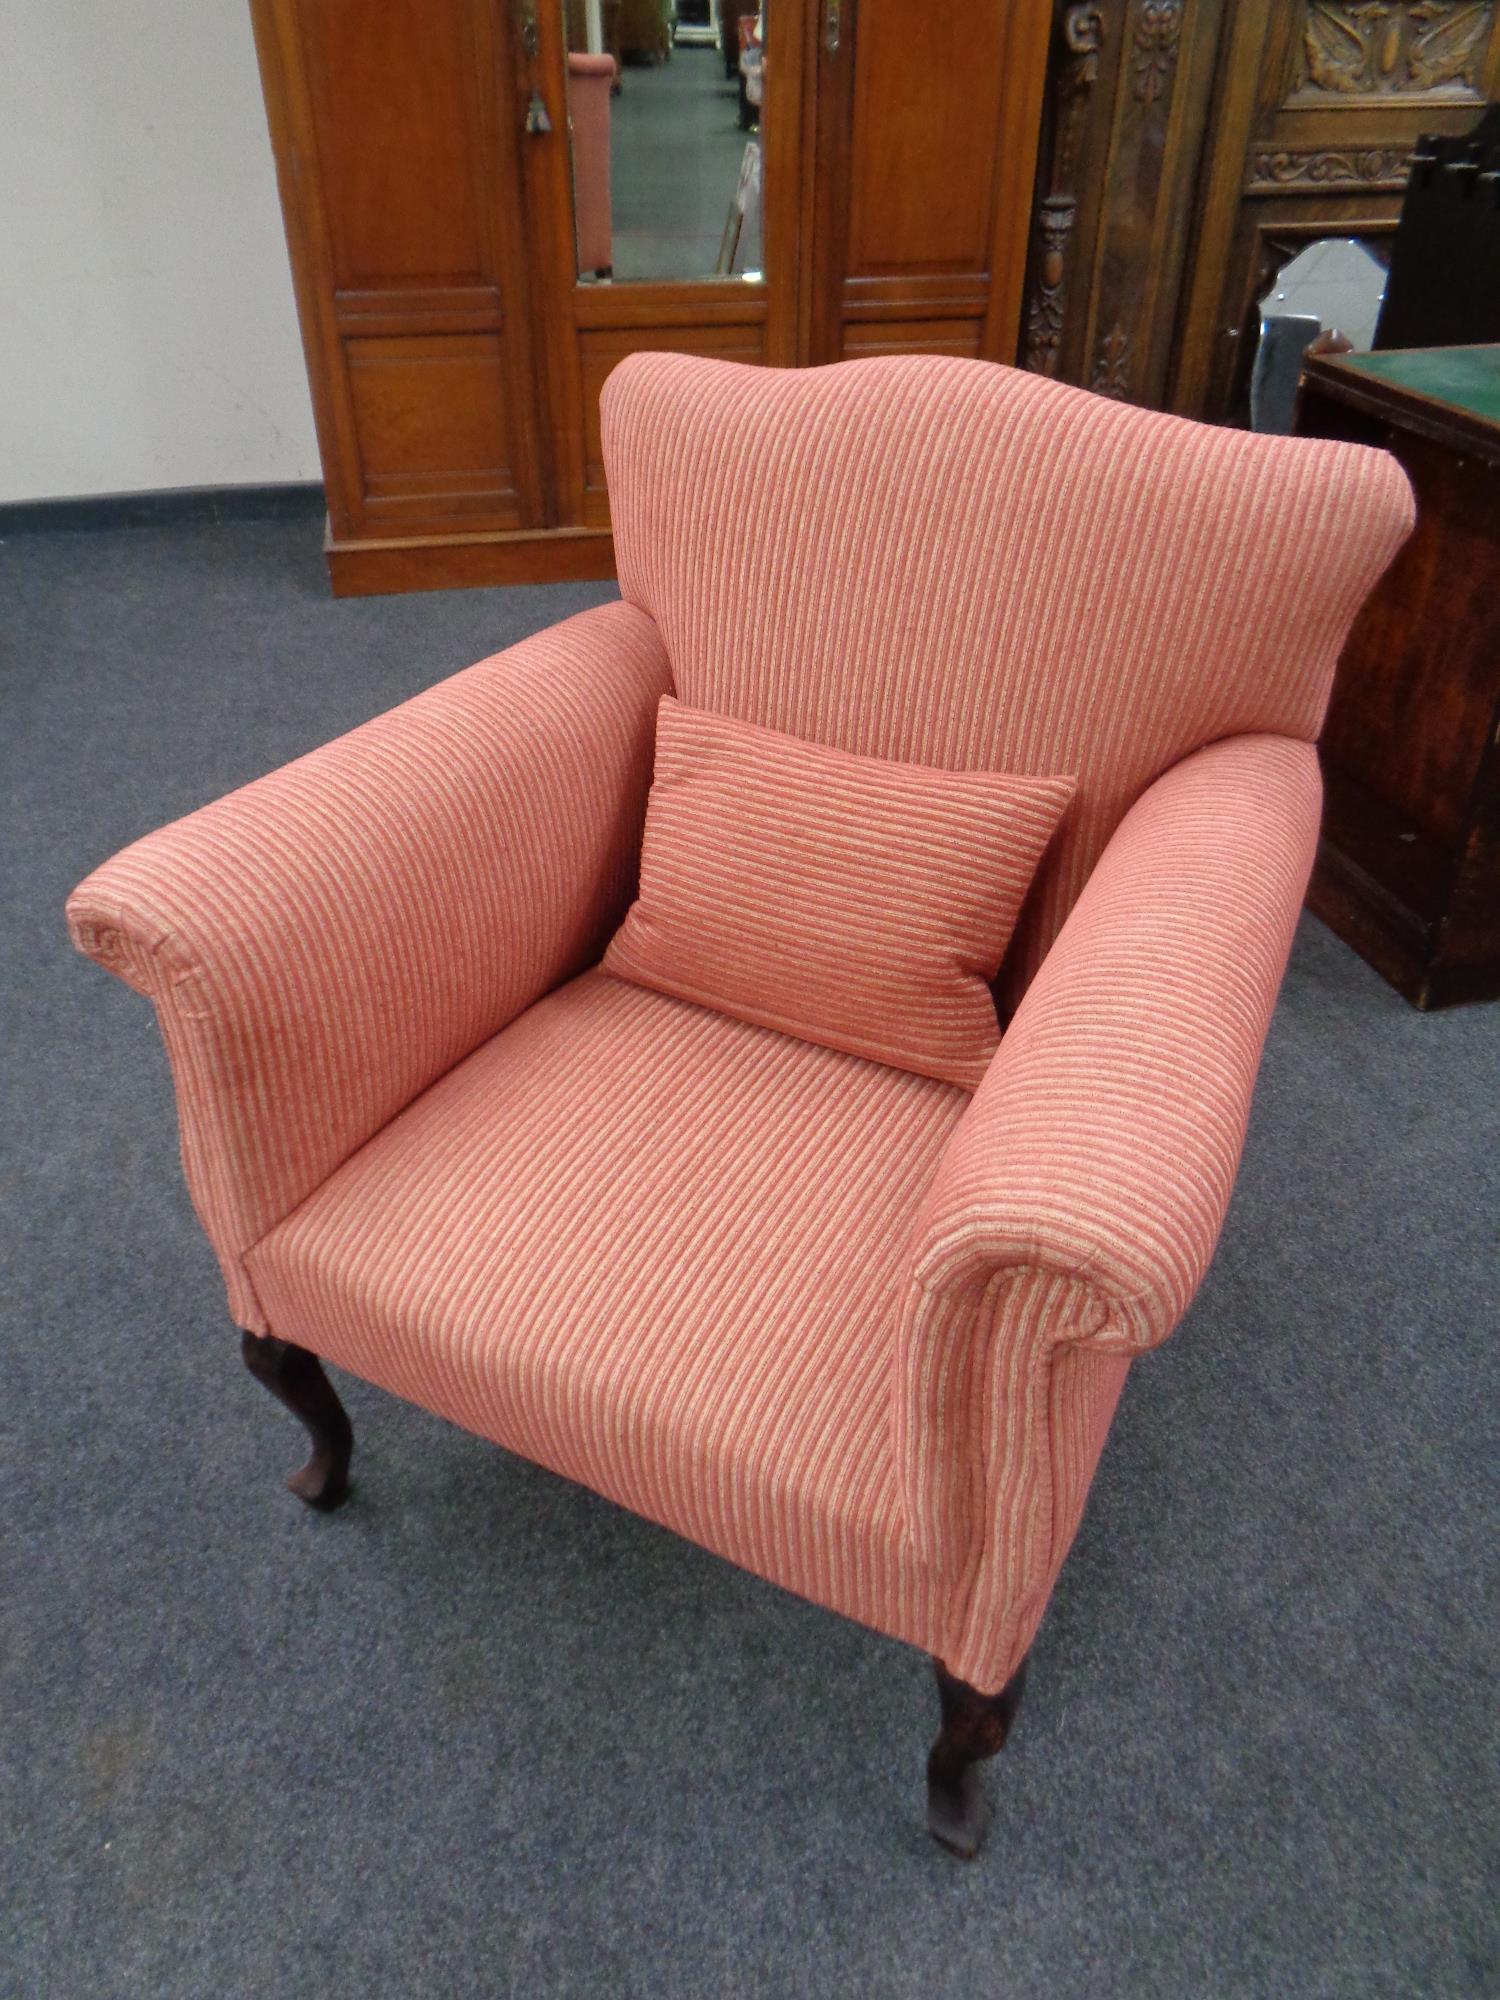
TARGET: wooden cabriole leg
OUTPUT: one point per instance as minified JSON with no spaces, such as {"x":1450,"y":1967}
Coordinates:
{"x":296,"y":1379}
{"x":975,"y":1726}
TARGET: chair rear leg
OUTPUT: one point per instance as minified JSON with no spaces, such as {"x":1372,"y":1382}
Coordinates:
{"x":296,"y":1379}
{"x":974,"y":1727}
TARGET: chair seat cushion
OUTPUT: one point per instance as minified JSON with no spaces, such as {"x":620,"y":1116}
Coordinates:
{"x":660,"y":1251}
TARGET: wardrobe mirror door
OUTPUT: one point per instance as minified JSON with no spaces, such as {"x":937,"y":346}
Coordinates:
{"x":664,"y":120}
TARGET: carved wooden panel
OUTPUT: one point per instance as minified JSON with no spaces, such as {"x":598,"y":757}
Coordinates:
{"x":1155,"y":36}
{"x":1184,"y":137}
{"x":1352,"y":49}
{"x":1313,"y":131}
{"x":1333,"y":169}
{"x":1128,"y":89}
{"x":1080,"y":38}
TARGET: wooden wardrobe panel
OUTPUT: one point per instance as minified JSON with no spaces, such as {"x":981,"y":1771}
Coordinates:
{"x":905,"y":336}
{"x":602,"y":349}
{"x":398,"y":96}
{"x":430,"y":413}
{"x":396,"y":128}
{"x":923,"y":158}
{"x":928,"y":99}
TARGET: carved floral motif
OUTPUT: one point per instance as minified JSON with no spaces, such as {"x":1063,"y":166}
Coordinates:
{"x":1449,"y":48}
{"x":1112,"y":363}
{"x":1158,"y":30}
{"x":1382,"y":47}
{"x":1360,"y":170}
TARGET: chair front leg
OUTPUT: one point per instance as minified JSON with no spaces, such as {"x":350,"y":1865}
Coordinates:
{"x":296,"y":1379}
{"x":974,"y":1727}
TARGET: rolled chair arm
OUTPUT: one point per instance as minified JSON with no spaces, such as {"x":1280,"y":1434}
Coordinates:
{"x":1079,"y":1200}
{"x":324,"y":943}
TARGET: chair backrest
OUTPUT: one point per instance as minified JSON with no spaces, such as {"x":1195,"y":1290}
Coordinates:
{"x":963,"y":565}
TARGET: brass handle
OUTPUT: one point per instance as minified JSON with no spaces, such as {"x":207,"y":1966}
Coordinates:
{"x":832,"y":25}
{"x":537,"y":120}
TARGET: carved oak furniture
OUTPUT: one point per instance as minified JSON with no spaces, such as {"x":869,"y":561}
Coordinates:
{"x":1192,"y":148}
{"x":1408,"y":868}
{"x":858,"y":1330}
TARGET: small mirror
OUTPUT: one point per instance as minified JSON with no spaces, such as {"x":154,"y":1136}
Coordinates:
{"x":1327,"y":297}
{"x":664,"y":109}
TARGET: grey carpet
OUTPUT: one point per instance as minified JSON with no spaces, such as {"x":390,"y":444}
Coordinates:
{"x":675,"y":153}
{"x":482,"y":1734}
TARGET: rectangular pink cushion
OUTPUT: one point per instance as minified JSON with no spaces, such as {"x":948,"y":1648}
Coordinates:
{"x":848,"y":900}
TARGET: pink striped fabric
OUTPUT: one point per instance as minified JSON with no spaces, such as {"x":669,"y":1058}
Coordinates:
{"x":1079,"y":1201}
{"x":845,"y":1324}
{"x":938,"y":560}
{"x":852,"y":901}
{"x":323,"y":943}
{"x":659,"y":1251}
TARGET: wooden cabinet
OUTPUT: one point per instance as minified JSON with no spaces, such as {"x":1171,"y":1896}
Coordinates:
{"x":1193,"y":147}
{"x":455,"y":357}
{"x":1408,"y":868}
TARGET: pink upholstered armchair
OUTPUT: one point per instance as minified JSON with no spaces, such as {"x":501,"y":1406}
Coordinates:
{"x":858,"y":1330}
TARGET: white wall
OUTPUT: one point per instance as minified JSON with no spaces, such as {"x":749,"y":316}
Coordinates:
{"x":147,"y":332}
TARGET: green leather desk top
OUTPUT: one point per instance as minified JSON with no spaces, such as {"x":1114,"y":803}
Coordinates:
{"x":1465,"y":378}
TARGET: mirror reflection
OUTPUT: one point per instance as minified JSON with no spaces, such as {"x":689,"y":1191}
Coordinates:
{"x":1326,"y":300}
{"x":664,"y":113}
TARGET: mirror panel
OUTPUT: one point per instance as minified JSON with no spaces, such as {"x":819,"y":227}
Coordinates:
{"x":664,"y":111}
{"x":1329,"y":296}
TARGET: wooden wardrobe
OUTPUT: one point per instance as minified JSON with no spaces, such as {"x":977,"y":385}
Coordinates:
{"x":455,"y":358}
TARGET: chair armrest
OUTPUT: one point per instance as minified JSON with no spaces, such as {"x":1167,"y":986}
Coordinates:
{"x":1080,"y":1197}
{"x":324,"y":943}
